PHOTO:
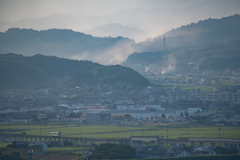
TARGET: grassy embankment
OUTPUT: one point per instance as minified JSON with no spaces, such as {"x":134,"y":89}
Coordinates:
{"x":120,"y":132}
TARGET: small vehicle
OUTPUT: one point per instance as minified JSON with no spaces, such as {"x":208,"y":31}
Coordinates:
{"x":55,"y":134}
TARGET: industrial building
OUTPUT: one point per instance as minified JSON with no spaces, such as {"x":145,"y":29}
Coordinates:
{"x":228,"y":97}
{"x":138,"y":114}
{"x":98,"y":117}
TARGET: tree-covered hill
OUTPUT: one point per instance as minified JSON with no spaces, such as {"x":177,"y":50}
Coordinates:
{"x":205,"y":32}
{"x":115,"y":30}
{"x":183,"y":55}
{"x":18,"y":71}
{"x":220,"y":64}
{"x":58,"y":42}
{"x":196,"y":42}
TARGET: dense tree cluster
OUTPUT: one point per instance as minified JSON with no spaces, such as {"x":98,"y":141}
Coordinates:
{"x":75,"y":115}
{"x":205,"y":157}
{"x":58,"y":42}
{"x":49,"y":71}
{"x":10,"y":157}
{"x":113,"y":151}
{"x":209,"y":31}
{"x":182,"y":56}
{"x":220,"y":64}
{"x":197,"y":42}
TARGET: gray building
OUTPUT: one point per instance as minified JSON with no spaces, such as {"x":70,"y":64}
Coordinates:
{"x":93,"y":117}
{"x":98,"y":117}
{"x":211,"y":96}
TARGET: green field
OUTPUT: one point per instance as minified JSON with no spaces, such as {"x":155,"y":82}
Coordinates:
{"x":66,"y":148}
{"x":121,"y":132}
{"x":186,"y":87}
{"x":4,"y":144}
{"x":25,"y":126}
{"x":69,"y":149}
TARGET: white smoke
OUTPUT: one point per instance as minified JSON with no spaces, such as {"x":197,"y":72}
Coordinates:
{"x":166,"y":66}
{"x":81,"y":56}
{"x":170,"y":65}
{"x":110,"y":56}
{"x":147,"y":68}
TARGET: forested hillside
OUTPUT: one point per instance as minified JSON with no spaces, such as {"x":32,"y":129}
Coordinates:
{"x":59,"y":42}
{"x":205,"y":32}
{"x":220,"y":64}
{"x":18,"y":71}
{"x":184,"y":55}
{"x":212,"y":38}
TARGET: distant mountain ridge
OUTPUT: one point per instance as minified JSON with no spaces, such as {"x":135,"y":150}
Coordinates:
{"x":196,"y":42}
{"x":61,"y":43}
{"x":195,"y":34}
{"x":38,"y":71}
{"x":115,"y":30}
{"x":154,"y":21}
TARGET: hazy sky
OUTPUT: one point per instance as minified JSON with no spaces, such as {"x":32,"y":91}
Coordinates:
{"x":147,"y":18}
{"x":14,"y":10}
{"x":152,"y":17}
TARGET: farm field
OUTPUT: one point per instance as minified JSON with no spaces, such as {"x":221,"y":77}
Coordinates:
{"x":186,"y":87}
{"x":24,"y":126}
{"x":205,"y":88}
{"x":123,"y":132}
{"x":68,"y":149}
{"x":4,"y":145}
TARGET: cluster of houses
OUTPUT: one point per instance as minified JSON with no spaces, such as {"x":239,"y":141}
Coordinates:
{"x":176,"y":151}
{"x":148,"y":151}
{"x":124,"y":105}
{"x":102,"y":104}
{"x":189,"y":74}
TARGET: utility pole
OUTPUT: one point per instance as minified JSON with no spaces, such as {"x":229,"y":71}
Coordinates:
{"x":40,"y":131}
{"x":142,"y":132}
